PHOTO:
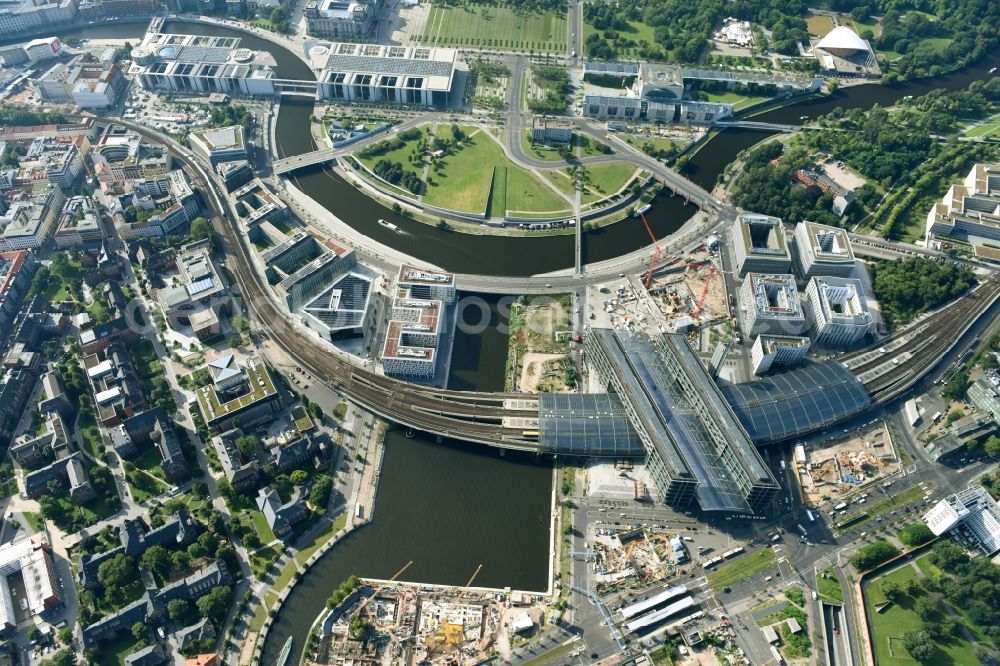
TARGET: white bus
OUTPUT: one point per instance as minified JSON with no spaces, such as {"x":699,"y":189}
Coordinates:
{"x":358,"y":510}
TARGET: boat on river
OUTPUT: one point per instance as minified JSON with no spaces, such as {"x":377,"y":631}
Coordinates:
{"x":286,"y":653}
{"x":388,"y":225}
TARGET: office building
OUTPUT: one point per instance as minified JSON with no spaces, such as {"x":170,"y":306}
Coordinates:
{"x":114,"y":384}
{"x":417,"y":324}
{"x":971,"y":517}
{"x":240,"y":391}
{"x":344,"y":309}
{"x":310,"y":272}
{"x":696,"y":449}
{"x":770,"y":304}
{"x":822,"y":250}
{"x":255,"y":204}
{"x":120,"y":155}
{"x":759,"y":245}
{"x":57,"y":159}
{"x":28,"y":17}
{"x":235,"y":174}
{"x":381,"y":73}
{"x":85,"y":81}
{"x":551,"y":130}
{"x":171,"y":195}
{"x":196,"y":296}
{"x":29,"y":221}
{"x":80,"y":223}
{"x":773,"y":351}
{"x":221,"y":144}
{"x":341,"y":19}
{"x":970,"y":209}
{"x":202,"y":64}
{"x":838,"y":312}
{"x":16,"y":271}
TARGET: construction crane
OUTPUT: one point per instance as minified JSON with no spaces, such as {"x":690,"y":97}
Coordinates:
{"x":474,"y":574}
{"x":704,"y":292}
{"x":657,"y":252}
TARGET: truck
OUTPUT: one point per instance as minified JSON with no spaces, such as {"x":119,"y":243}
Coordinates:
{"x":805,"y":533}
{"x":840,"y":507}
{"x":809,"y":514}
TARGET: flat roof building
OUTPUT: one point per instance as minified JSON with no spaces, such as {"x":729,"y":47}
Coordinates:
{"x":340,"y":19}
{"x":770,"y":304}
{"x":417,"y":325}
{"x":822,"y":250}
{"x":29,"y":221}
{"x":80,"y":223}
{"x":344,"y":309}
{"x":696,"y":449}
{"x":310,"y":278}
{"x":382,"y":73}
{"x":85,"y":81}
{"x":759,"y":245}
{"x":239,"y":391}
{"x":969,"y":209}
{"x":31,"y":558}
{"x":551,"y":130}
{"x":220,"y":144}
{"x":120,"y":155}
{"x":202,"y":64}
{"x":256,"y":204}
{"x":838,"y":311}
{"x":772,"y":351}
{"x":971,"y":517}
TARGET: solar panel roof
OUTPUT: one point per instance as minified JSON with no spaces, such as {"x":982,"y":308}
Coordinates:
{"x":574,"y":423}
{"x":380,"y":65}
{"x":796,"y":402}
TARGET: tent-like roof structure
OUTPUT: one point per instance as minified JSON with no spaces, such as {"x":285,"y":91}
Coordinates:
{"x":842,"y":41}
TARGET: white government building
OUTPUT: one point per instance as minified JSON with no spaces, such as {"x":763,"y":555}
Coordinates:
{"x":838,"y":311}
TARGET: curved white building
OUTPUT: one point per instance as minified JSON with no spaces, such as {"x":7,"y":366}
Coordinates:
{"x":842,"y":41}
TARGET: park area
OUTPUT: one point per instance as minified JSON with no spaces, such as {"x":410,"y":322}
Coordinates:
{"x":746,"y":567}
{"x":903,"y":615}
{"x":495,"y":27}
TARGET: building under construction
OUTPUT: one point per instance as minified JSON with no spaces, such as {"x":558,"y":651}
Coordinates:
{"x":696,"y":449}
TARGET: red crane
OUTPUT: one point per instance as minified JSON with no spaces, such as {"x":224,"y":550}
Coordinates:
{"x":704,"y":291}
{"x":657,"y":252}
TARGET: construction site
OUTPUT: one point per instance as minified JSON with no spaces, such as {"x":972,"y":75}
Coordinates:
{"x":839,"y":469}
{"x":388,"y":623}
{"x":541,"y":333}
{"x":624,"y":558}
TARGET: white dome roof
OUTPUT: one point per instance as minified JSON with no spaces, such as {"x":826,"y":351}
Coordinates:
{"x":842,"y":38}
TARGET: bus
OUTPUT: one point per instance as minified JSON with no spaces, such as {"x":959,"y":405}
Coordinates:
{"x":812,"y":518}
{"x":803,"y":530}
{"x":529,"y":434}
{"x":358,"y":510}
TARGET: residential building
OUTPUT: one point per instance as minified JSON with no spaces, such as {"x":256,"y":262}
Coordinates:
{"x":69,"y":471}
{"x":54,"y":399}
{"x":117,"y":391}
{"x":151,"y":655}
{"x":970,"y":209}
{"x":222,"y":144}
{"x":242,"y":474}
{"x":838,"y":311}
{"x":85,"y":81}
{"x":86,"y":128}
{"x":290,"y":455}
{"x":281,"y":518}
{"x":79,"y":224}
{"x":759,"y":245}
{"x":16,"y":271}
{"x":58,"y":159}
{"x":199,"y":631}
{"x":32,"y":559}
{"x":242,"y":392}
{"x":29,"y":221}
{"x":770,"y":304}
{"x":842,"y":197}
{"x":341,"y":19}
{"x":971,"y":517}
{"x":201,"y":64}
{"x":383,"y":73}
{"x":175,"y":206}
{"x":16,"y":385}
{"x":771,"y":351}
{"x":822,"y":250}
{"x":551,"y":130}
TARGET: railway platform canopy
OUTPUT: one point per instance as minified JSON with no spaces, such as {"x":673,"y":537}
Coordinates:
{"x":797,"y":402}
{"x":586,"y":424}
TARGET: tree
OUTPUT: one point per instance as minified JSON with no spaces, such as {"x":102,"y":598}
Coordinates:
{"x":214,"y":604}
{"x":992,"y":446}
{"x":157,"y":560}
{"x":181,"y":611}
{"x":119,"y":576}
{"x":181,"y":560}
{"x":915,"y":534}
{"x":247,"y":445}
{"x":298,"y":477}
{"x":926,"y":608}
{"x":919,"y":645}
{"x":320,"y":494}
{"x":873,"y":554}
{"x":65,"y":657}
{"x":279,"y":19}
{"x":890,"y":589}
{"x":139,"y":630}
{"x":201,"y":229}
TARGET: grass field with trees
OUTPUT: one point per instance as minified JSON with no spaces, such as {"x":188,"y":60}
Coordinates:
{"x":507,"y":26}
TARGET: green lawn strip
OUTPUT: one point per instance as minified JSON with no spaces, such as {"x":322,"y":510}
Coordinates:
{"x":526,"y":193}
{"x":986,"y":129}
{"x":90,"y":435}
{"x":900,"y":617}
{"x":259,"y":617}
{"x":114,"y":651}
{"x":401,"y":155}
{"x":35,"y":520}
{"x":829,"y":587}
{"x":284,"y":577}
{"x":880,"y":509}
{"x":738,"y":101}
{"x":260,"y":524}
{"x":563,"y":181}
{"x":149,"y":462}
{"x":538,"y":150}
{"x":747,"y":567}
{"x":377,"y":182}
{"x":464,"y":181}
{"x":498,"y":194}
{"x":498,"y":27}
{"x":819,"y":24}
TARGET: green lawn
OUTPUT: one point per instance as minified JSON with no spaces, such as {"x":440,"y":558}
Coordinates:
{"x":987,"y":129}
{"x":401,"y":155}
{"x":746,"y":567}
{"x":464,"y":182}
{"x":260,"y":524}
{"x":819,"y":24}
{"x":563,"y":181}
{"x":148,"y":487}
{"x":473,"y":26}
{"x":525,"y":192}
{"x":35,"y":520}
{"x":890,"y":625}
{"x":738,"y":101}
{"x":637,"y":32}
{"x":150,"y":462}
{"x":829,"y":588}
{"x":307,"y":550}
{"x":607,"y":179}
{"x":113,"y":652}
{"x":498,"y":195}
{"x":90,"y":435}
